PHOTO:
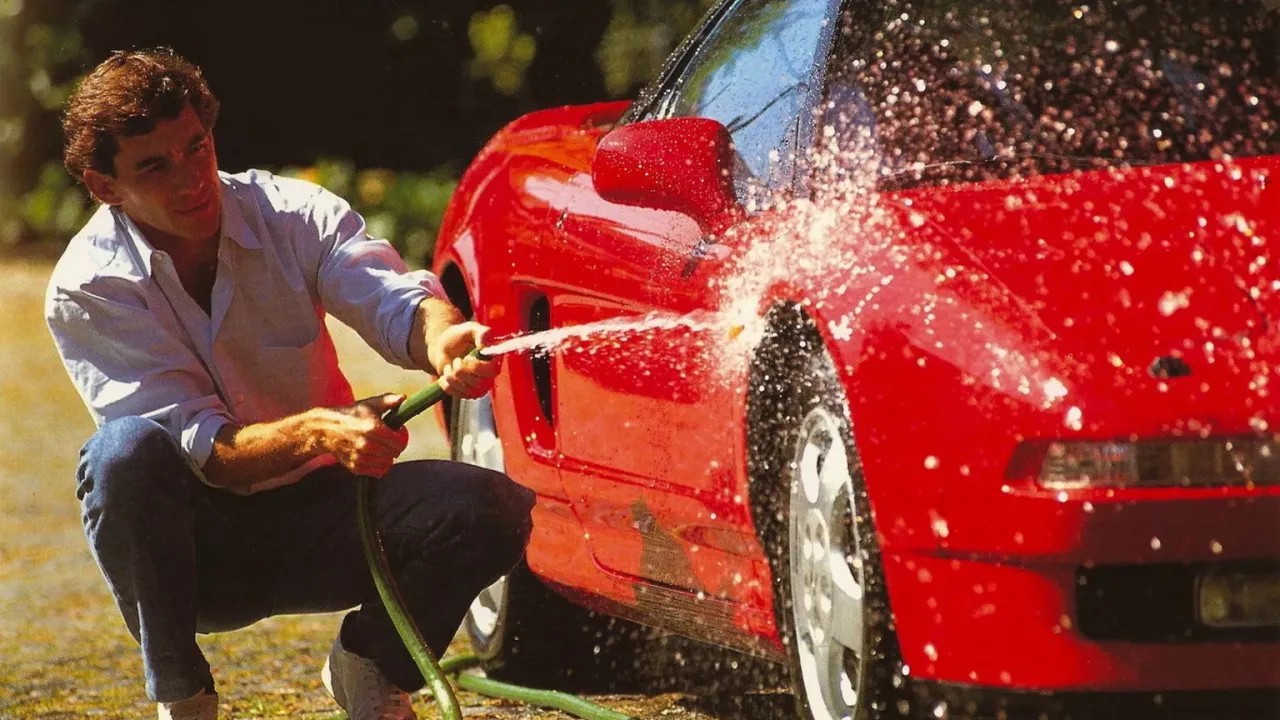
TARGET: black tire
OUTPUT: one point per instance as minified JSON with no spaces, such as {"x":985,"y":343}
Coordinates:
{"x":525,"y":632}
{"x":798,"y":421}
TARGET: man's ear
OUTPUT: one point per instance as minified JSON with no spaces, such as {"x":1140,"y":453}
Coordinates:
{"x":102,"y":187}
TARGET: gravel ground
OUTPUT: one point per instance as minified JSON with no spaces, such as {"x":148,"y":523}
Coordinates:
{"x":65,"y":652}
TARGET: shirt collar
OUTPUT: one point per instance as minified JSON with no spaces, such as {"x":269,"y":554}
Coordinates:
{"x":233,"y":226}
{"x":233,"y":222}
{"x":134,"y":240}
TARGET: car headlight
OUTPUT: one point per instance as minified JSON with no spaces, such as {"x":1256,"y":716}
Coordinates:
{"x":1224,"y":461}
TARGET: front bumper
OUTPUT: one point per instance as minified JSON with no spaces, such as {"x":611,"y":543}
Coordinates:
{"x":966,"y":702}
{"x":1000,"y":625}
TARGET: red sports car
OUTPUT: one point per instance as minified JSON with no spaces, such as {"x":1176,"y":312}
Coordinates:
{"x":939,"y":369}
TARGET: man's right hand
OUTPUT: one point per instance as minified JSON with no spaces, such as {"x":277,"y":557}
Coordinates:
{"x":245,"y":455}
{"x":357,"y":437}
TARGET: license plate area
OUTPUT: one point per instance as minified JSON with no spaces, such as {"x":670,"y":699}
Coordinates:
{"x":1240,"y":599}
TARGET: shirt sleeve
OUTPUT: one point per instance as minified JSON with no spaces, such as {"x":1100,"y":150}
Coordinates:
{"x":363,"y":281}
{"x":123,"y":365}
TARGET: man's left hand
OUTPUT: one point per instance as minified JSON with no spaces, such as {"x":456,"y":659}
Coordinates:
{"x":462,"y":376}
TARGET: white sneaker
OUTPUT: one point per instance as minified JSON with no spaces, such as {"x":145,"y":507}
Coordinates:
{"x":361,"y":689}
{"x":203,"y":706}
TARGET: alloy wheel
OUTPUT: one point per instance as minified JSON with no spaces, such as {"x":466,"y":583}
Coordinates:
{"x":827,"y":574}
{"x":475,"y":441}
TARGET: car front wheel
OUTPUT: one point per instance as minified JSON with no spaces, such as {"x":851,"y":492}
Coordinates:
{"x":831,"y":608}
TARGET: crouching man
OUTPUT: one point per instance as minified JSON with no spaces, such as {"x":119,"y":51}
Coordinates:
{"x":219,"y":488}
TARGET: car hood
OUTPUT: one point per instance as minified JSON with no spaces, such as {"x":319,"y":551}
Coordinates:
{"x":1107,"y":288}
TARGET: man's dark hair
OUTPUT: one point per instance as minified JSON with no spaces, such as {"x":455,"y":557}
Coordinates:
{"x":128,"y":94}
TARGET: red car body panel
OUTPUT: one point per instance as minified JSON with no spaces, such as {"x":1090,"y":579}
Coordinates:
{"x":963,"y":320}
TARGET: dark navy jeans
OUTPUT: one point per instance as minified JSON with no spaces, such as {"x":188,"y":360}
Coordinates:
{"x":183,"y":558}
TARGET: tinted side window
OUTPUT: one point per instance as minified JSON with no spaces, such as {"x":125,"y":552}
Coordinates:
{"x":753,"y":73}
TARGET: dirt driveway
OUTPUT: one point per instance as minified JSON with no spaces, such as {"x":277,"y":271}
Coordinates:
{"x":64,"y":652}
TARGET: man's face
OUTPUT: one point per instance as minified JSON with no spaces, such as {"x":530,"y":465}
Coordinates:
{"x":166,"y":181}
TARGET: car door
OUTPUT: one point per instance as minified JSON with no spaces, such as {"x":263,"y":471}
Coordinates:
{"x":650,"y":422}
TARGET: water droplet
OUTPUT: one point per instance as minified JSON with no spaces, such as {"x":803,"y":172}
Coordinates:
{"x":1155,"y":543}
{"x":1054,"y":389}
{"x":1215,"y":547}
{"x":931,"y":652}
{"x":939,"y":524}
{"x":1074,"y":418}
{"x":1171,"y":302}
{"x":931,"y":463}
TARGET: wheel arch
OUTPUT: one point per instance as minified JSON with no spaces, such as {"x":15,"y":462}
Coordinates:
{"x":791,"y":335}
{"x":455,"y":288}
{"x":789,"y":332}
{"x":458,"y":293}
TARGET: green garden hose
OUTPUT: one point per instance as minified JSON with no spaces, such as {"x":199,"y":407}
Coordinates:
{"x":432,"y":670}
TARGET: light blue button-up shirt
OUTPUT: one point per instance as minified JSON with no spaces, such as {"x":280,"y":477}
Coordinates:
{"x":135,"y":343}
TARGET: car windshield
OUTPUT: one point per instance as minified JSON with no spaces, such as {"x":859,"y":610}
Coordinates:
{"x":930,"y":92}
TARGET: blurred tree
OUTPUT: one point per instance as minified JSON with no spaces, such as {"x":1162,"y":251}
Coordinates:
{"x":640,"y":35}
{"x":40,"y":56}
{"x":502,"y":52}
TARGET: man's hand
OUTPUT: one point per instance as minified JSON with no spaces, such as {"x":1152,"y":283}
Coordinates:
{"x":462,"y":376}
{"x":440,"y":342}
{"x":358,"y":438}
{"x":355,"y":435}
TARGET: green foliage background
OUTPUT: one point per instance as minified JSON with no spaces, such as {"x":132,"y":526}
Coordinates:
{"x":43,"y":51}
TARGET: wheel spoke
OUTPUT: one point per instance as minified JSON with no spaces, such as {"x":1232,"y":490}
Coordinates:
{"x":809,"y":489}
{"x":835,"y":476}
{"x":477,"y":441}
{"x":846,"y":605}
{"x":829,"y":677}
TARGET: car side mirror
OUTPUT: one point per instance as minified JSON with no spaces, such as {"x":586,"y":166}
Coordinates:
{"x":678,"y":164}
